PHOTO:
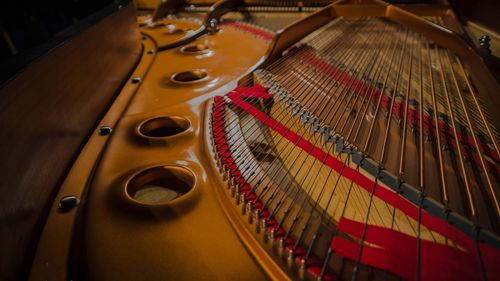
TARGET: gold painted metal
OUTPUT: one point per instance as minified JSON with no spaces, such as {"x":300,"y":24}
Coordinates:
{"x":201,"y":234}
{"x":162,"y":128}
{"x":191,"y":238}
{"x":175,"y":178}
{"x":246,"y":231}
{"x":189,"y":76}
{"x":195,"y":49}
{"x":169,"y":33}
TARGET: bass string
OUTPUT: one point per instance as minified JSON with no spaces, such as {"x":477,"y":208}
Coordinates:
{"x":299,"y":169}
{"x":466,"y":182}
{"x":471,"y":128}
{"x":313,"y":181}
{"x":330,"y":197}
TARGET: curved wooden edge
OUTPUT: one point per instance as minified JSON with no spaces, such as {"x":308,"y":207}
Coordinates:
{"x":294,"y":32}
{"x":249,"y":240}
{"x":54,"y":250}
{"x":167,"y":7}
{"x":220,"y":8}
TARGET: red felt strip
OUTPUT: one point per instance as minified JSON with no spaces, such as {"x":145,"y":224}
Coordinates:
{"x":361,"y":180}
{"x":414,"y":119}
{"x":312,"y":267}
{"x":251,"y":94}
{"x":396,"y":252}
{"x":251,"y":29}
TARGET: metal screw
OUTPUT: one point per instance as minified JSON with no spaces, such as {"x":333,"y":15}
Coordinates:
{"x":484,"y":39}
{"x":484,"y":44}
{"x":212,"y":26}
{"x":105,"y":130}
{"x":150,"y":52}
{"x":136,"y":80}
{"x":67,"y":203}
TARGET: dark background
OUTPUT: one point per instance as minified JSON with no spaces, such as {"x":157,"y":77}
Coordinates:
{"x":35,"y":27}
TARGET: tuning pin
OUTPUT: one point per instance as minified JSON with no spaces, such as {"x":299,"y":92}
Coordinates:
{"x":256,"y":215}
{"x":248,"y":207}
{"x":225,"y":173}
{"x":237,"y":197}
{"x":235,"y":181}
{"x":271,"y":235}
{"x":221,"y":167}
{"x":219,"y":163}
{"x":263,"y":226}
{"x":235,"y":190}
{"x":290,"y":255}
{"x":302,"y":268}
{"x":243,"y":202}
{"x":281,"y":246}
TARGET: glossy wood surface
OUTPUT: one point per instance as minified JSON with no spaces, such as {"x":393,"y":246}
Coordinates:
{"x":46,"y":114}
{"x":196,"y":236}
{"x":191,"y":238}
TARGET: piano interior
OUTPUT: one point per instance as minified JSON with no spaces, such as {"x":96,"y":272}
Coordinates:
{"x":256,"y":140}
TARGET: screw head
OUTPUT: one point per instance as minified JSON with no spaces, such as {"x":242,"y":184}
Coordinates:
{"x":484,"y":38}
{"x":67,"y":203}
{"x":105,"y":130}
{"x":136,"y":80}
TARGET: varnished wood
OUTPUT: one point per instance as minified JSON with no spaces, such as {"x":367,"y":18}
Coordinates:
{"x":46,"y":115}
{"x":201,"y":235}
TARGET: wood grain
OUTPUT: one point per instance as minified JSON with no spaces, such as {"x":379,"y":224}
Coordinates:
{"x":46,"y":115}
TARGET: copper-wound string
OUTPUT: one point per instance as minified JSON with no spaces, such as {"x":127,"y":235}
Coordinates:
{"x":314,"y":181}
{"x":465,"y":178}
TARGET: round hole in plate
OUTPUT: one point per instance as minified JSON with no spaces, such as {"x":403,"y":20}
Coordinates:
{"x":163,"y":127}
{"x":159,"y":185}
{"x":189,"y":76}
{"x":195,"y":49}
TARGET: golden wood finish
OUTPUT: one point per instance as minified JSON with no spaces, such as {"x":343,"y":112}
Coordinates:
{"x":171,"y":32}
{"x":189,"y":228}
{"x":184,"y":235}
{"x":200,"y":234}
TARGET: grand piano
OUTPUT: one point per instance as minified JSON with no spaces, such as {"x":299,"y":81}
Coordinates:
{"x":256,"y":140}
